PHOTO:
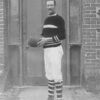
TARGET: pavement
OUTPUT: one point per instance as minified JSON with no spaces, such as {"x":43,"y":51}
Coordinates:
{"x":40,"y":93}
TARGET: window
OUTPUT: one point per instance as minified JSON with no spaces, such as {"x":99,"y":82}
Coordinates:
{"x":74,"y":23}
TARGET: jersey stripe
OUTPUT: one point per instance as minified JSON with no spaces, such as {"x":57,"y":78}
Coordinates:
{"x":49,"y":26}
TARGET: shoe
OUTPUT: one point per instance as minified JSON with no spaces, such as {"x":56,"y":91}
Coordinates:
{"x":50,"y":98}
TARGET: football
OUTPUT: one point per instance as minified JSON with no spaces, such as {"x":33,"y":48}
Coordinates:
{"x":33,"y":42}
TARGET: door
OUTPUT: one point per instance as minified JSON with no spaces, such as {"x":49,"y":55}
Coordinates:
{"x":75,"y":22}
{"x":75,"y":51}
{"x":33,"y":14}
{"x":33,"y":66}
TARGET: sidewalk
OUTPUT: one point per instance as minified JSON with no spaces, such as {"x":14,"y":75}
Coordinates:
{"x":40,"y":93}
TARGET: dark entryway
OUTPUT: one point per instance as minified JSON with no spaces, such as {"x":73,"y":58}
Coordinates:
{"x":75,"y":62}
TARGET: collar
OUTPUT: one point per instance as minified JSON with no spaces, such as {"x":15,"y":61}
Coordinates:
{"x":53,"y":14}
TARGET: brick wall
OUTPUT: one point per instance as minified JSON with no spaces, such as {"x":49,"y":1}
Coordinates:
{"x":1,"y":35}
{"x":91,"y":40}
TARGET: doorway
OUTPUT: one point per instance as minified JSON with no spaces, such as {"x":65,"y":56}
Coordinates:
{"x":34,"y":12}
{"x":75,"y":63}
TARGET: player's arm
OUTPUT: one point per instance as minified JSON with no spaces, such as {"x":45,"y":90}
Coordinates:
{"x":61,"y":31}
{"x":44,"y":40}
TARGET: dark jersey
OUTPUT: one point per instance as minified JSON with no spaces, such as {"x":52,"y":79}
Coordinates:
{"x":54,"y":26}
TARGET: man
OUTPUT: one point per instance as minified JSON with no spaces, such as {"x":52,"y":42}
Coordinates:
{"x":52,"y":35}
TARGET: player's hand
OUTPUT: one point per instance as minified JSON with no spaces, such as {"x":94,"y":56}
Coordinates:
{"x":42,"y":41}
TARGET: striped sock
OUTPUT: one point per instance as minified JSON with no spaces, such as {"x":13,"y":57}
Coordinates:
{"x":59,"y":89}
{"x":51,"y":87}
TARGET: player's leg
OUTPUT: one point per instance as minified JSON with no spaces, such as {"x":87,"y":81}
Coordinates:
{"x":59,"y":90}
{"x":48,"y":73}
{"x":51,"y":89}
{"x":52,"y":57}
{"x":57,"y":73}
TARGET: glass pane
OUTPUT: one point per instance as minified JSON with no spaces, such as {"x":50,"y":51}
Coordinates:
{"x":14,"y":7}
{"x":74,"y":31}
{"x":13,"y":35}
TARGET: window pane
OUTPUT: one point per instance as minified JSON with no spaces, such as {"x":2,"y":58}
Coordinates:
{"x":74,"y":23}
{"x":13,"y":35}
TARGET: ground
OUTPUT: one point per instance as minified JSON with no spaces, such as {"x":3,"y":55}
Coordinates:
{"x":40,"y":93}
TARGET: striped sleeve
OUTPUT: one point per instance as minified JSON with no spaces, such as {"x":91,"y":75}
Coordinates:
{"x":61,"y":34}
{"x":55,"y":38}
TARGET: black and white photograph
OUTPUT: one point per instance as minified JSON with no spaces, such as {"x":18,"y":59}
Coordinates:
{"x":49,"y":49}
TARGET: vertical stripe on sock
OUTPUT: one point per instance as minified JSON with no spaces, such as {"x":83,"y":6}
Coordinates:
{"x":51,"y":87}
{"x":59,"y":88}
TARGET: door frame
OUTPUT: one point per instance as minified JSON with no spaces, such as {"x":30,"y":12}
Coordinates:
{"x":23,"y":19}
{"x":79,"y":43}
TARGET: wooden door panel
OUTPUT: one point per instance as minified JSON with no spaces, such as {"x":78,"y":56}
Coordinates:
{"x":13,"y":35}
{"x":75,"y":21}
{"x":34,"y":56}
{"x":13,"y":75}
{"x":34,"y":62}
{"x":75,"y":51}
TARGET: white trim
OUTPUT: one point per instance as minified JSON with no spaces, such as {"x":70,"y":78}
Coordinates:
{"x":53,"y":14}
{"x":57,"y":39}
{"x":49,"y":26}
